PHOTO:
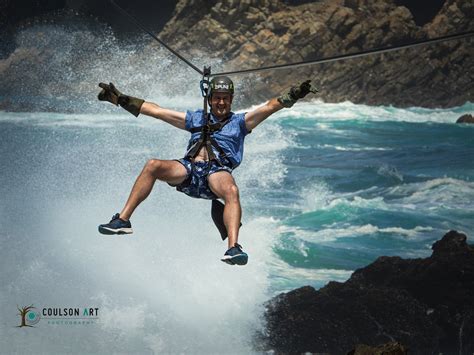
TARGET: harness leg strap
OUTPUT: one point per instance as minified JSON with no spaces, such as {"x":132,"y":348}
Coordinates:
{"x":217,"y":214}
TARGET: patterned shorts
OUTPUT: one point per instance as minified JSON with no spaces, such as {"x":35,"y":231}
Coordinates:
{"x":196,"y":184}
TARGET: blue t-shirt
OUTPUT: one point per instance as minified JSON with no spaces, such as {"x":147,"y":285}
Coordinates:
{"x":230,"y":138}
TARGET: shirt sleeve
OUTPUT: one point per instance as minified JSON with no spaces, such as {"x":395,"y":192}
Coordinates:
{"x":241,"y":118}
{"x":188,"y":123}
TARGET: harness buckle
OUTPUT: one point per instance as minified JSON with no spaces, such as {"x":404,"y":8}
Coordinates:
{"x":205,"y":83}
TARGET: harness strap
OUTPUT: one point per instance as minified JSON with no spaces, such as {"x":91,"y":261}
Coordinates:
{"x":207,"y":141}
{"x":218,"y":148}
{"x":213,"y":127}
{"x":210,"y":152}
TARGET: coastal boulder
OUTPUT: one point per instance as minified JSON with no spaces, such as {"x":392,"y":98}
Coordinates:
{"x":465,"y":119}
{"x":425,"y":304}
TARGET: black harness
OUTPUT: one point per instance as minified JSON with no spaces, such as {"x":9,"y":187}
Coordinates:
{"x":206,"y":140}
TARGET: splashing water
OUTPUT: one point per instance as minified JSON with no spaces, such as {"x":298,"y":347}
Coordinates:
{"x":325,"y":188}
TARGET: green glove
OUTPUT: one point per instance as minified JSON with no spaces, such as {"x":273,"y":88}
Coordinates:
{"x":111,"y":94}
{"x":296,"y":93}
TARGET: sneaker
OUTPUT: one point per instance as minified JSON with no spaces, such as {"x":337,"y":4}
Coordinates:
{"x":116,"y":226}
{"x":235,"y":256}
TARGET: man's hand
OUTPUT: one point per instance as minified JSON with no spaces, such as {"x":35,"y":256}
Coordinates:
{"x":296,"y":93}
{"x":111,"y":94}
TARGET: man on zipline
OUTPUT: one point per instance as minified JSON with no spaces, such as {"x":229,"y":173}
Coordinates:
{"x":213,"y":152}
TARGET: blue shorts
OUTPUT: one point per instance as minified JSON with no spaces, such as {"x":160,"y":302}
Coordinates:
{"x":196,"y":184}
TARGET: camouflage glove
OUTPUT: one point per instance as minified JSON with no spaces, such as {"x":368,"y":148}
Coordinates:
{"x":111,"y":94}
{"x":296,"y":93}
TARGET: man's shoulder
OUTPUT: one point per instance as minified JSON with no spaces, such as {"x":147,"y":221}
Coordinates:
{"x":198,"y":112}
{"x":237,"y":115}
{"x":194,"y":115}
{"x":239,"y":119}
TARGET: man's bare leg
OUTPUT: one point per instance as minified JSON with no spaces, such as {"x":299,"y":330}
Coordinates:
{"x":223,"y":185}
{"x":169,"y":171}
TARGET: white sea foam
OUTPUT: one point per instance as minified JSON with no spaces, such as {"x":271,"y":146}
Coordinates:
{"x":352,"y":148}
{"x":317,"y":110}
{"x":334,"y":232}
{"x":390,"y":171}
{"x":431,"y":194}
{"x":318,"y":196}
{"x":162,"y":289}
{"x":60,"y":120}
{"x":286,"y":275}
{"x":357,"y":201}
{"x":436,"y":193}
{"x":263,"y":164}
{"x":314,"y":197}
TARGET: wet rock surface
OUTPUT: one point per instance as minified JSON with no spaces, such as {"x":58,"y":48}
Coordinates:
{"x":425,"y":304}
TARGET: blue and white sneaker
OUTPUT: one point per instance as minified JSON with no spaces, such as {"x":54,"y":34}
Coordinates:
{"x":235,"y":256}
{"x":116,"y":226}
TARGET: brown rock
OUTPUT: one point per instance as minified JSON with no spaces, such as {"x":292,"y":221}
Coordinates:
{"x":392,"y":348}
{"x":253,"y":33}
{"x":465,"y":119}
{"x":342,"y":21}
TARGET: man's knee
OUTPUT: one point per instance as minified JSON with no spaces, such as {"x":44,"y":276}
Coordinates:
{"x":154,"y":167}
{"x":231,"y":192}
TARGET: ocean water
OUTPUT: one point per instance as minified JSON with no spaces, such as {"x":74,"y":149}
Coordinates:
{"x":325,"y":189}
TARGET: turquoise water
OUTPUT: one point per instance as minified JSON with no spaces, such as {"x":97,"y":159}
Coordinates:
{"x":369,"y":181}
{"x":325,"y":188}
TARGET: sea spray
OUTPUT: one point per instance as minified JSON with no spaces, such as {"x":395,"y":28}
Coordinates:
{"x":326,"y":188}
{"x":162,"y":289}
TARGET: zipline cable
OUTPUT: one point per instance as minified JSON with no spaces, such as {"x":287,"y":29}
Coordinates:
{"x":352,"y":55}
{"x":302,"y":63}
{"x":139,"y":25}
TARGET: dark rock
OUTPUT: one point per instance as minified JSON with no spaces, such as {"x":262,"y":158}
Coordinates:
{"x":453,"y":243}
{"x":425,"y":304}
{"x":392,"y":348}
{"x":465,"y":119}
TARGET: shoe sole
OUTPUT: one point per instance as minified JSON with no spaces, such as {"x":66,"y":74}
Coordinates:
{"x":241,"y":259}
{"x":110,"y":231}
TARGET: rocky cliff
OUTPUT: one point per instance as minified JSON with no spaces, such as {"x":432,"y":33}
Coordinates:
{"x":59,"y":57}
{"x":254,"y":33}
{"x":425,"y":304}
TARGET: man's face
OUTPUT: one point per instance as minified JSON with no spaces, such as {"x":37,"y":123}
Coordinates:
{"x":220,"y":104}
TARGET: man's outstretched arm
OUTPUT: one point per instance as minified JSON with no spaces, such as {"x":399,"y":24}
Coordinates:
{"x":174,"y":118}
{"x":257,"y":116}
{"x":254,"y":118}
{"x":136,"y":106}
